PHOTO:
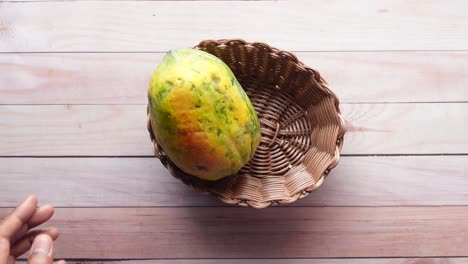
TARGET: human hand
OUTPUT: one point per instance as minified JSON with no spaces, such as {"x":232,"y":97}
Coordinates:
{"x":16,"y":236}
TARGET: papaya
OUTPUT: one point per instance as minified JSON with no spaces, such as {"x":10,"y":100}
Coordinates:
{"x":201,"y":116}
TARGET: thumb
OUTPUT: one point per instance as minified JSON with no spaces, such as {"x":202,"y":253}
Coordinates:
{"x":41,"y":250}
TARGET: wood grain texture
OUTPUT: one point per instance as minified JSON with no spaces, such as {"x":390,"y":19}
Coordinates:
{"x":197,"y":232}
{"x":357,"y":181}
{"x":120,"y":130}
{"x":164,"y":25}
{"x":73,"y":130}
{"x":289,"y":261}
{"x":406,"y":128}
{"x":123,"y":78}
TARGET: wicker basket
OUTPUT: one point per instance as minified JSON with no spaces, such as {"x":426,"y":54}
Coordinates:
{"x":302,"y":129}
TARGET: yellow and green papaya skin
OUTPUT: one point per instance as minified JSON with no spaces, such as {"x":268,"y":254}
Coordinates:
{"x":201,"y":116}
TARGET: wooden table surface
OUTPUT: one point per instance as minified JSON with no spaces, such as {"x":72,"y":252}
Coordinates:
{"x":73,"y":82}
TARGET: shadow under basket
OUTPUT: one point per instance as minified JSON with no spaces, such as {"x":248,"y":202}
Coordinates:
{"x":302,"y":129}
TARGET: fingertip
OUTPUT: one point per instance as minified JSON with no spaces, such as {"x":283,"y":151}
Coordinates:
{"x":48,"y":208}
{"x":31,"y":199}
{"x":42,"y":244}
{"x":26,"y":209}
{"x":43,"y":238}
{"x":53,"y":232}
{"x":40,"y":216}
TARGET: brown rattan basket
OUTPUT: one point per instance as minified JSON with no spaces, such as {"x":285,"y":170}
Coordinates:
{"x":302,"y":129}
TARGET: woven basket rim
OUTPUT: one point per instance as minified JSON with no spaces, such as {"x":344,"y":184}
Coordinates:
{"x":159,"y":152}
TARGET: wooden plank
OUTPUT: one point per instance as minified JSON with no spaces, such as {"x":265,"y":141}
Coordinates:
{"x":406,"y":128}
{"x":161,"y":25}
{"x":95,"y":182}
{"x":74,"y":130}
{"x":122,"y":78}
{"x":198,"y":232}
{"x":289,"y":261}
{"x":120,"y":130}
{"x":357,"y":181}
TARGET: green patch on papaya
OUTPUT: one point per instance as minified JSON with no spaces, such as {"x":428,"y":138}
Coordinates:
{"x":166,"y":121}
{"x":166,"y":88}
{"x":215,"y":131}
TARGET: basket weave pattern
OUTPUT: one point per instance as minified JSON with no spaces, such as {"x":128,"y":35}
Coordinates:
{"x":302,"y":129}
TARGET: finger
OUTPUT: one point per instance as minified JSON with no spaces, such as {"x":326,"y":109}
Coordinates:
{"x":11,"y":260}
{"x":25,"y":243}
{"x":13,"y":222}
{"x":40,"y":216}
{"x":23,"y":230}
{"x":4,"y":250}
{"x":41,"y":250}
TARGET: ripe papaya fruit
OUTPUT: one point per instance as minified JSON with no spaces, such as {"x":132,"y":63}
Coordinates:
{"x":201,"y":116}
